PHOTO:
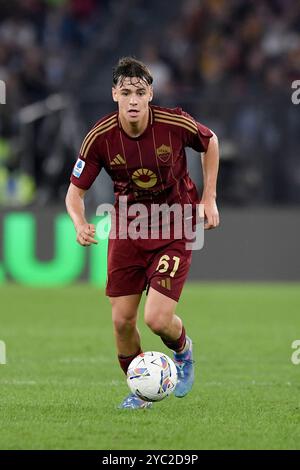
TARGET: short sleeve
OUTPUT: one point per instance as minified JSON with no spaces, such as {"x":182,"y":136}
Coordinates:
{"x":87,"y":166}
{"x":196,"y":135}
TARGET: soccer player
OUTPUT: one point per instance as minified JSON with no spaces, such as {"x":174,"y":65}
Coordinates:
{"x":142,"y":148}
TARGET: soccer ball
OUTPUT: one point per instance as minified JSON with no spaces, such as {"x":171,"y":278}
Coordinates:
{"x":152,"y":376}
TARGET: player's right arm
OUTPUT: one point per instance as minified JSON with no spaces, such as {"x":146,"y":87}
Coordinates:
{"x":75,"y":207}
{"x":85,"y":171}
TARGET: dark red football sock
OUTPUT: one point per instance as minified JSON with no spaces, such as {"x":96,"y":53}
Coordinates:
{"x":126,"y":360}
{"x":176,"y":345}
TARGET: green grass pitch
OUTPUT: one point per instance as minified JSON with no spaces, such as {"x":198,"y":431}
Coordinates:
{"x":61,"y":385}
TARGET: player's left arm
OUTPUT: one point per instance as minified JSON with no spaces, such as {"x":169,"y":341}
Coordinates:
{"x":205,"y":141}
{"x":210,"y":167}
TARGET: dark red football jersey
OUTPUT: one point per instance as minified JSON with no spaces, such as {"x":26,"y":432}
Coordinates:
{"x":151,"y":168}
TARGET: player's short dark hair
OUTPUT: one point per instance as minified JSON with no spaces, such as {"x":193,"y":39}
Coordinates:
{"x":131,"y":67}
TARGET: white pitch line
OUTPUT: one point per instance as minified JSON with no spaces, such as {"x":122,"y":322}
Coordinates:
{"x":17,"y":382}
{"x":250,"y":382}
{"x":81,"y":360}
{"x":72,"y":382}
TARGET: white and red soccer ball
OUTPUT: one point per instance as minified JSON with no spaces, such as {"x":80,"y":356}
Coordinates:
{"x":152,"y":376}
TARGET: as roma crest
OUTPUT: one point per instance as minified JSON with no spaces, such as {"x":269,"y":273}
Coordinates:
{"x":163,"y":152}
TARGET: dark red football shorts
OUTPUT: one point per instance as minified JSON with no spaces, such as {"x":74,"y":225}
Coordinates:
{"x":135,"y":265}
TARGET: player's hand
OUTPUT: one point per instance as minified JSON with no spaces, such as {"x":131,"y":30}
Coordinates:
{"x":86,"y":235}
{"x":211,"y":213}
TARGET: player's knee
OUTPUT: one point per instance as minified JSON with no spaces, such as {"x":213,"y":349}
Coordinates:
{"x":122,"y":324}
{"x":157,"y":321}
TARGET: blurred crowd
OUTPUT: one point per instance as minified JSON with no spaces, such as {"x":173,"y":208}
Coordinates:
{"x":39,"y":41}
{"x":225,"y":53}
{"x":236,"y":44}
